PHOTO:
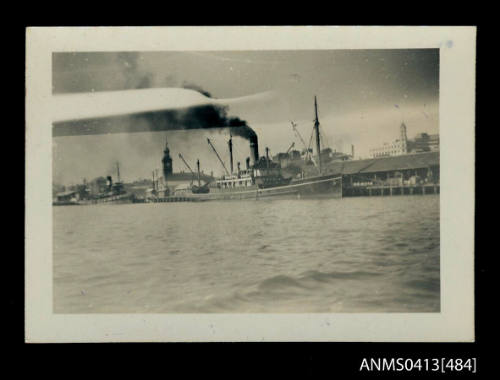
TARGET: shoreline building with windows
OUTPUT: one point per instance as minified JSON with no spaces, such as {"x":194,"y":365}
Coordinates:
{"x":423,"y":142}
{"x":396,"y":148}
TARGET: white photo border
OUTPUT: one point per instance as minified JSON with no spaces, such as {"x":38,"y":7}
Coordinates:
{"x":455,"y":322}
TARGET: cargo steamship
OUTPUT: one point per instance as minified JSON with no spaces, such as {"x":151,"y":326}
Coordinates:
{"x":262,"y":178}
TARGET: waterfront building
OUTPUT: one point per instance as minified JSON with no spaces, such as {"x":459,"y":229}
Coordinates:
{"x":424,"y":142}
{"x":404,"y":170}
{"x":396,"y":148}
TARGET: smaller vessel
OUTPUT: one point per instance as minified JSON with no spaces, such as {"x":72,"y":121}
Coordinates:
{"x":112,"y":193}
{"x":115,"y":192}
{"x":196,"y":189}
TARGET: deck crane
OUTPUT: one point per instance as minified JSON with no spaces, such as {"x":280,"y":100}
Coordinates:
{"x":306,"y":147}
{"x":196,"y":189}
{"x":185,"y":163}
{"x":217,"y":154}
{"x":294,"y":126}
{"x":287,"y":151}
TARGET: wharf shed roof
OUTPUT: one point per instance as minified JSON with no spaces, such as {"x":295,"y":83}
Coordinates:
{"x":384,"y":164}
{"x":407,"y":161}
{"x":349,"y":167}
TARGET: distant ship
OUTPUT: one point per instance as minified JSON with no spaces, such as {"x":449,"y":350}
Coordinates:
{"x":261,"y":178}
{"x":112,"y":193}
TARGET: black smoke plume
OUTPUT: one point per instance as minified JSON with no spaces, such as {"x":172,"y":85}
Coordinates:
{"x":131,"y":74}
{"x":198,"y":117}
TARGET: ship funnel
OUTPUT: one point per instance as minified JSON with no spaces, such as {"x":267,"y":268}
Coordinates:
{"x":247,"y":161}
{"x":254,"y":150}
{"x":109,"y":181}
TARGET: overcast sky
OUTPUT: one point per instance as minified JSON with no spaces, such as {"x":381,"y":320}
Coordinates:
{"x":363,"y":96}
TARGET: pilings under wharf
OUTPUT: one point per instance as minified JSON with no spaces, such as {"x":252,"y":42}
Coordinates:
{"x":172,"y":199}
{"x":363,"y":191}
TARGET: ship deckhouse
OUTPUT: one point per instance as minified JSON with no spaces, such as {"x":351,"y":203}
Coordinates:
{"x":243,"y":179}
{"x":264,"y":173}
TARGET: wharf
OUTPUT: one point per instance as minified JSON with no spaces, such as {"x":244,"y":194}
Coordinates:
{"x":387,"y":190}
{"x":408,"y":174}
{"x":174,"y":199}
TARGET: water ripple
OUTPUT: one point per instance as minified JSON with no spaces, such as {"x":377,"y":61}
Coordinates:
{"x":351,"y":255}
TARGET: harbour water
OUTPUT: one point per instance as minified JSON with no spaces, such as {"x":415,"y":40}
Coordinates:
{"x":367,"y":254}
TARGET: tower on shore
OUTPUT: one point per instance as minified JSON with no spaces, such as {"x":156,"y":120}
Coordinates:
{"x":403,"y":138}
{"x":167,"y":161}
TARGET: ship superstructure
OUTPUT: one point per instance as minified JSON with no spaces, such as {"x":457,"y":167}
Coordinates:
{"x":110,"y":193}
{"x":262,"y":174}
{"x":262,"y":177}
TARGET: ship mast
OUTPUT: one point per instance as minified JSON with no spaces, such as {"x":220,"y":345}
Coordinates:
{"x":316,"y":129}
{"x":230,"y":143}
{"x":118,"y":171}
{"x":198,"y":166}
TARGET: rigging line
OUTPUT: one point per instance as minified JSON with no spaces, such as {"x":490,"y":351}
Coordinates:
{"x":218,"y":157}
{"x":310,"y":140}
{"x":311,"y":156}
{"x":325,"y":138}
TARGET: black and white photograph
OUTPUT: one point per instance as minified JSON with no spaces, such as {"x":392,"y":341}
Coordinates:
{"x":238,"y":181}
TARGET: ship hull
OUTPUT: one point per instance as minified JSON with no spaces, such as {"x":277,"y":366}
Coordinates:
{"x":322,"y":186}
{"x":113,"y":199}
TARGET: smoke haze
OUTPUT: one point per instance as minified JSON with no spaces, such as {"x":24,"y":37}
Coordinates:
{"x":357,"y":92}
